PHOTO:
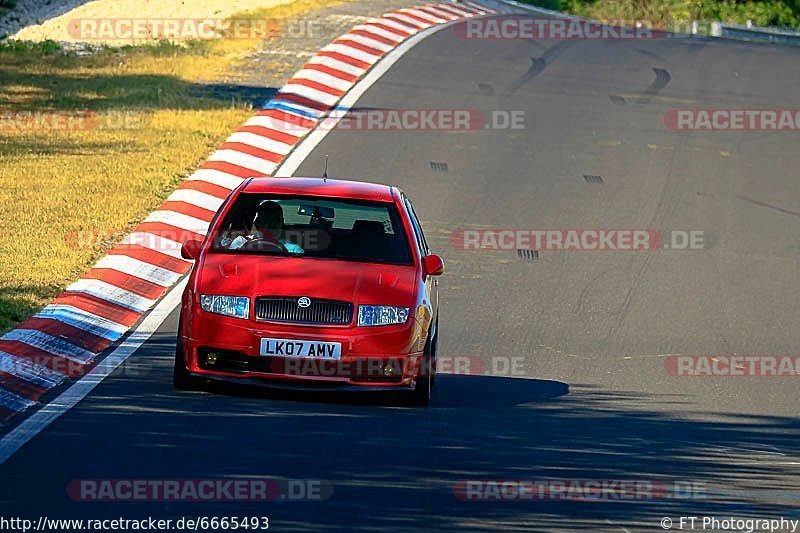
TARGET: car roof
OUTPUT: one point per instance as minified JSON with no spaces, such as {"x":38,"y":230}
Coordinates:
{"x":356,"y":190}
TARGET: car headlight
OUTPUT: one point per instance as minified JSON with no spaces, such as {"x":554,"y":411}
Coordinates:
{"x":235,"y":306}
{"x":381,"y":315}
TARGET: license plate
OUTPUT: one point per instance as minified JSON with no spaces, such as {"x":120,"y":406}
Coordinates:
{"x":295,"y":348}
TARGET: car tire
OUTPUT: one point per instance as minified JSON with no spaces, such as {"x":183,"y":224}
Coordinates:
{"x":181,"y":378}
{"x":433,"y":352}
{"x":421,"y":395}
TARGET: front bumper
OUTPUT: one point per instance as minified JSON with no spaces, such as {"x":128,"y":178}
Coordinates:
{"x":302,"y":384}
{"x":379,"y":358}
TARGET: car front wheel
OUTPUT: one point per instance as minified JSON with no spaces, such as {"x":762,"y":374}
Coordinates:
{"x":421,"y":395}
{"x":181,"y":378}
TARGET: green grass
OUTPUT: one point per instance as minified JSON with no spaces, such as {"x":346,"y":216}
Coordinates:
{"x":784,"y":13}
{"x":47,"y":47}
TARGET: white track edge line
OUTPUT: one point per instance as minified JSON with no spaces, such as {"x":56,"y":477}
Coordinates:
{"x":302,"y":150}
{"x":38,"y":421}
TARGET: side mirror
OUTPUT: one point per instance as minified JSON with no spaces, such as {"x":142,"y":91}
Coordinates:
{"x":433,"y":265}
{"x":191,"y":249}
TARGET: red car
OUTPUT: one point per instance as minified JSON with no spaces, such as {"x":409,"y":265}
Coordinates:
{"x":312,"y":283}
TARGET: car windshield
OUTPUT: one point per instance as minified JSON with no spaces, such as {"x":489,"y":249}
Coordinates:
{"x":329,"y":228}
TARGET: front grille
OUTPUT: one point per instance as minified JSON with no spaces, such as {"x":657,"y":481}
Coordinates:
{"x":285,"y":309}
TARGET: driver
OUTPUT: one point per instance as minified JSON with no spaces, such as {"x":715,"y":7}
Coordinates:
{"x":267,"y":226}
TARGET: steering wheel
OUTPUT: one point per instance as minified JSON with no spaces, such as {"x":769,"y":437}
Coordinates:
{"x":265,"y":243}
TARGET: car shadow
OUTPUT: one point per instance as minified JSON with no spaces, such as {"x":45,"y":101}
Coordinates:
{"x":407,"y":462}
{"x":451,"y":392}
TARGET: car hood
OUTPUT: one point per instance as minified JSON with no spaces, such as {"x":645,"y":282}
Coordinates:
{"x":266,"y":275}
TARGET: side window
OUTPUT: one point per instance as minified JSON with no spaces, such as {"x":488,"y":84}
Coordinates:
{"x":423,"y":244}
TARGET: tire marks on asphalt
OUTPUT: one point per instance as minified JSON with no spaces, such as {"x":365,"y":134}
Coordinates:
{"x":659,"y":83}
{"x":539,"y":64}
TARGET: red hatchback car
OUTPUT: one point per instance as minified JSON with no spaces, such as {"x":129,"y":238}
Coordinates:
{"x":312,"y":283}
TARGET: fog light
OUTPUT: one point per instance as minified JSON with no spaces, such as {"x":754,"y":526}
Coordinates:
{"x":211,"y":358}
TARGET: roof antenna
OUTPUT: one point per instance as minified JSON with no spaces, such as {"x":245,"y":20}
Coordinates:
{"x":325,"y":174}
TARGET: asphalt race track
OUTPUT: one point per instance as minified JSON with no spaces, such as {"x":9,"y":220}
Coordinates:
{"x":593,"y":399}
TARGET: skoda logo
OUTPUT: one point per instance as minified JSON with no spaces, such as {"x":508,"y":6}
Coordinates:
{"x":304,"y":301}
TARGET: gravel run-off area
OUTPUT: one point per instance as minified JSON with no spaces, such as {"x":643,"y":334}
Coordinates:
{"x":38,"y":20}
